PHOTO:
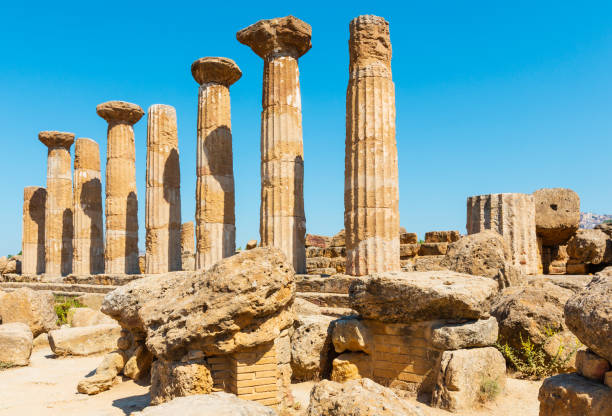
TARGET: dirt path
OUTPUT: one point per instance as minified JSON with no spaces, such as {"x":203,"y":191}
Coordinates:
{"x":48,"y":387}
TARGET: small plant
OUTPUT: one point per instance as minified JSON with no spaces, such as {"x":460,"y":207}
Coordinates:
{"x":63,"y":305}
{"x":530,"y":361}
{"x":489,"y":390}
{"x":421,"y":241}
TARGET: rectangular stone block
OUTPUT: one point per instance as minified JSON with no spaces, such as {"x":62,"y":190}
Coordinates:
{"x":433,"y":249}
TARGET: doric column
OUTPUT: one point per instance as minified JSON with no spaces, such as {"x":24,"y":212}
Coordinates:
{"x":188,"y":246}
{"x":121,"y":208}
{"x":512,"y":216}
{"x":280,"y":42}
{"x":88,"y":235}
{"x":33,"y":237}
{"x":371,"y":191}
{"x":58,"y":210}
{"x":163,"y":199}
{"x":215,"y":222}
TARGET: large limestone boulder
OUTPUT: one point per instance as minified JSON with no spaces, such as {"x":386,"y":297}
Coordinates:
{"x":350,"y":334}
{"x":530,"y":312}
{"x":106,"y":374}
{"x":241,"y":302}
{"x":606,"y":227}
{"x":590,"y":246}
{"x":422,"y":296}
{"x":557,"y":215}
{"x":352,"y":366}
{"x":176,"y":379}
{"x":33,"y":308}
{"x":84,"y":340}
{"x":588,"y":314}
{"x":574,"y":395}
{"x":87,"y":317}
{"x":461,"y":373}
{"x":15,"y":344}
{"x":484,"y":254}
{"x":13,"y":265}
{"x":216,"y":404}
{"x":357,"y":398}
{"x":310,"y":347}
{"x":470,"y":334}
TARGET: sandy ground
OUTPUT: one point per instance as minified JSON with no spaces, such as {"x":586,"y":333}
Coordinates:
{"x":48,"y":387}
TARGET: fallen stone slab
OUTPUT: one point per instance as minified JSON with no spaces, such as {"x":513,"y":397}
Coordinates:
{"x":15,"y":344}
{"x":573,"y":395}
{"x":87,"y":317}
{"x":84,"y":340}
{"x":420,"y":296}
{"x":33,"y":308}
{"x":217,"y":404}
{"x":471,"y":334}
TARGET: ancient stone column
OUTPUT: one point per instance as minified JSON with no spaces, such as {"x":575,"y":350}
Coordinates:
{"x":188,"y":246}
{"x":513,"y":216}
{"x":88,"y":235}
{"x":58,"y":210}
{"x":163,"y":199}
{"x":121,"y":208}
{"x":33,"y":238}
{"x":280,"y":42}
{"x":215,"y":221}
{"x":371,"y":190}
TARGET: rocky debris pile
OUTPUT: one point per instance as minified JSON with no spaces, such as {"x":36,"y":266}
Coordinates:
{"x":326,"y":255}
{"x":189,"y":322}
{"x":15,"y":344}
{"x":357,"y":397}
{"x":446,"y":317}
{"x":588,"y":314}
{"x":588,"y":249}
{"x":534,"y":313}
{"x":10,"y":265}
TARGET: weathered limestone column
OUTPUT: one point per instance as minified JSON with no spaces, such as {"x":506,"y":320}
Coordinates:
{"x":371,"y":189}
{"x":88,"y":235}
{"x":121,"y":251}
{"x":280,"y":42}
{"x":58,"y":210}
{"x":163,"y":199}
{"x":188,"y":246}
{"x":33,"y":237}
{"x":513,"y":216}
{"x":215,"y":219}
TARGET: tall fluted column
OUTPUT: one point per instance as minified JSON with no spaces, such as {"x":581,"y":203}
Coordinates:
{"x":371,"y":191}
{"x":88,"y":235}
{"x":280,"y":42}
{"x":33,"y":237}
{"x":121,"y":251}
{"x":58,"y":210}
{"x":215,"y":221}
{"x":163,"y":199}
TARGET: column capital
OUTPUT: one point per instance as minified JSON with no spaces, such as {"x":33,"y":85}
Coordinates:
{"x":282,"y":35}
{"x":219,"y":70}
{"x":120,"y":112}
{"x":54,"y":139}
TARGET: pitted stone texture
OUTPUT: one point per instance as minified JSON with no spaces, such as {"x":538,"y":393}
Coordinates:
{"x":371,"y":191}
{"x":215,"y":218}
{"x":241,"y":302}
{"x":15,"y":344}
{"x":215,"y":70}
{"x":557,"y":214}
{"x":59,"y":204}
{"x":471,"y":334}
{"x":420,"y":296}
{"x":121,"y":249}
{"x":33,"y":242}
{"x":588,"y":315}
{"x":30,"y":307}
{"x":590,"y":246}
{"x":591,"y":365}
{"x":350,"y":334}
{"x":310,"y":347}
{"x":163,"y":196}
{"x":512,"y":216}
{"x":120,"y":112}
{"x":282,"y":35}
{"x":281,"y":42}
{"x":88,"y":250}
{"x":573,"y":395}
{"x":173,"y":379}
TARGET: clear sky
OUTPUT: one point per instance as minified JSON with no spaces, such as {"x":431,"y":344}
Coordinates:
{"x":490,"y":97}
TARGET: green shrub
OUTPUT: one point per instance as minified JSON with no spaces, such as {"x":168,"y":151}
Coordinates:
{"x":62,"y":305}
{"x":489,"y":390}
{"x":531,"y":361}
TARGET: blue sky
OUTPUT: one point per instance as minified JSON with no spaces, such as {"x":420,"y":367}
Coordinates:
{"x":490,"y":97}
